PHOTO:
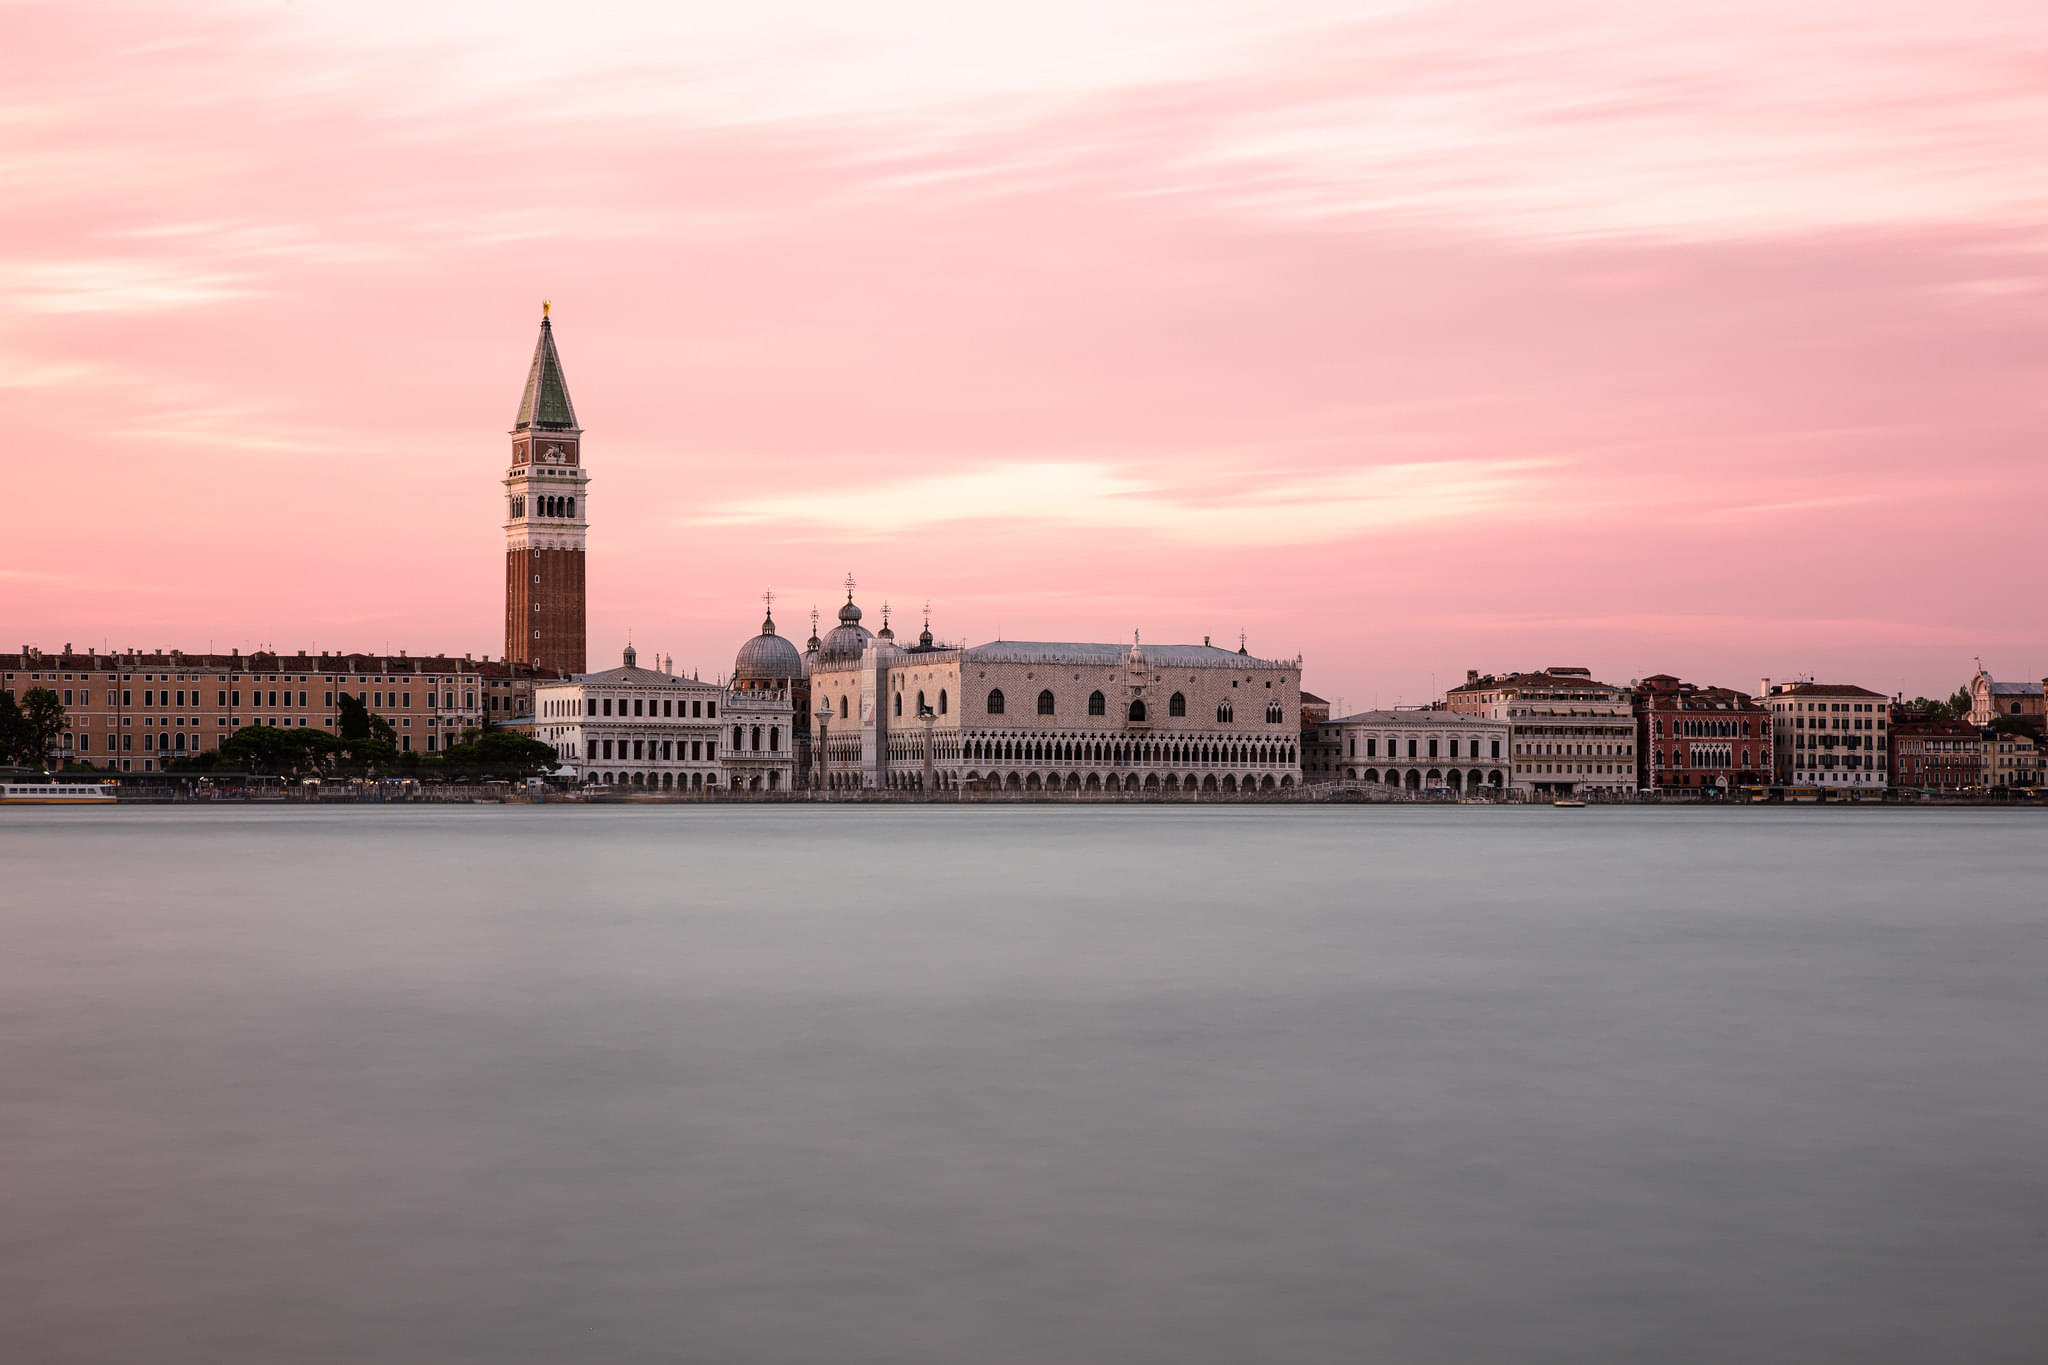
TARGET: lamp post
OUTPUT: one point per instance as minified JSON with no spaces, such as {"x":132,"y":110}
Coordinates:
{"x":824,"y":715}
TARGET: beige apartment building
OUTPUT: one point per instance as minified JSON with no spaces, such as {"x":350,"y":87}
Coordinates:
{"x":1573,"y":735}
{"x":135,"y":711}
{"x":1834,"y":736}
{"x":2011,"y":762}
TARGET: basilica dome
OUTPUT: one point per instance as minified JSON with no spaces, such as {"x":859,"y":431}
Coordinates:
{"x":767,"y":658}
{"x":847,"y":639}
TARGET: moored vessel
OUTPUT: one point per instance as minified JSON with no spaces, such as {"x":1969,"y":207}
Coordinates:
{"x":56,"y":794}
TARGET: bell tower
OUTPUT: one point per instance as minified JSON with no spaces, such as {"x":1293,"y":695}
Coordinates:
{"x":547,"y":513}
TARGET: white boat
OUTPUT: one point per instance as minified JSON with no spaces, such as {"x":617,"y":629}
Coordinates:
{"x":57,"y":794}
{"x":1569,"y":805}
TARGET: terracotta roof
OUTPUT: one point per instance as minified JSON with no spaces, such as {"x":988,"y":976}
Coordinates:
{"x":1825,"y":690}
{"x":1498,"y":681}
{"x":264,"y":661}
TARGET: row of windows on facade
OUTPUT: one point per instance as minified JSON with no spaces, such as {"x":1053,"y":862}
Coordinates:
{"x":1372,"y":748}
{"x":1831,"y":741}
{"x":845,"y":710}
{"x":602,"y":706}
{"x":1703,"y":758}
{"x":652,"y":750}
{"x":1838,"y":723}
{"x":153,"y":742}
{"x":1706,"y":729}
{"x":233,"y":697}
{"x":544,"y":507}
{"x":1098,"y":705}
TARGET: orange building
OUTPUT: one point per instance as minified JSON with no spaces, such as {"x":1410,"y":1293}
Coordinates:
{"x":134,"y":711}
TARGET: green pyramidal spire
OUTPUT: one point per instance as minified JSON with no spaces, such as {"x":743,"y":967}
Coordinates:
{"x":545,"y":405}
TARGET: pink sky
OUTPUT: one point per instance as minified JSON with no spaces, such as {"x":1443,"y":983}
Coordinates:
{"x":1708,"y":338}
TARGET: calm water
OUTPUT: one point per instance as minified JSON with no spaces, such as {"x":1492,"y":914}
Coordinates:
{"x":969,"y":1085}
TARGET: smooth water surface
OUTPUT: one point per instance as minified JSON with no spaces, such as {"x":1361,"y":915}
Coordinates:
{"x":1009,"y":1084}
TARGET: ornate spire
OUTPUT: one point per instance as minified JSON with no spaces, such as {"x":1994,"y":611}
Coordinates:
{"x":545,"y":405}
{"x":768,"y":619}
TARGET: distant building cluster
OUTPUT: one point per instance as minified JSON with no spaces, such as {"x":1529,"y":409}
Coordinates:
{"x":856,"y":711}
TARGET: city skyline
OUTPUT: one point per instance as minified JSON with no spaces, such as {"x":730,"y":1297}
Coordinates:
{"x":1299,"y":326}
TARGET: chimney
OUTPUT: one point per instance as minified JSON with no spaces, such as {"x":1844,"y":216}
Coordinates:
{"x":1471,"y":676}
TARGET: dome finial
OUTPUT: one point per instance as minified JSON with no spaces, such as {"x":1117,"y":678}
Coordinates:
{"x":849,"y":587}
{"x":768,"y":621}
{"x":545,"y":305}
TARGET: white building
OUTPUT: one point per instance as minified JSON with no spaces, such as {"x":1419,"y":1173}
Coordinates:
{"x":1040,"y":717}
{"x":1415,"y":750}
{"x":1829,"y":735}
{"x":1991,"y":699}
{"x":634,"y":727}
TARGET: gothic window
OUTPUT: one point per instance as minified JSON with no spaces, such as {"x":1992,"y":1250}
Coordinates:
{"x":1097,"y":705}
{"x":568,"y":507}
{"x":1223,"y":713}
{"x":1274,"y":715}
{"x":995,"y":701}
{"x":899,"y":703}
{"x":921,"y":707}
{"x":1176,"y":705}
{"x":1045,"y":703}
{"x":942,"y":701}
{"x":842,"y":708}
{"x":1137,"y":712}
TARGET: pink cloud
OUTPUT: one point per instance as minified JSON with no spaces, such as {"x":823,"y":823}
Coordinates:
{"x":1718,"y":334}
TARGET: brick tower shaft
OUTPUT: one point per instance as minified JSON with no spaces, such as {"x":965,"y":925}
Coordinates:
{"x":547,"y":517}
